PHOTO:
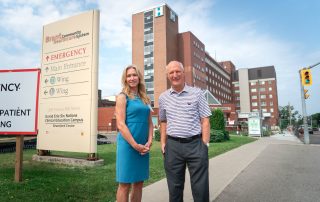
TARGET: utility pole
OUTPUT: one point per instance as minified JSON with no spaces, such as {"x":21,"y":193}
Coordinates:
{"x":260,"y":110}
{"x":303,"y":102}
{"x":304,"y":114}
{"x":289,"y":111}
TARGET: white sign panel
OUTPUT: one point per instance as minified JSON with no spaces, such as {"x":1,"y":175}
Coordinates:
{"x":69,"y":84}
{"x":254,"y":126}
{"x":243,"y":115}
{"x":19,"y":101}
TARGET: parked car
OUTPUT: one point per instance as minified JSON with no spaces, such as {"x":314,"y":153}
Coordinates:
{"x":301,"y":129}
{"x":101,"y":139}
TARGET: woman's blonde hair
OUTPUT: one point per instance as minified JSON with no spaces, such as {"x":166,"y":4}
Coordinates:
{"x":141,"y":86}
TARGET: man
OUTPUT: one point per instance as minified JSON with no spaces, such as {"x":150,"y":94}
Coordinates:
{"x":185,"y":134}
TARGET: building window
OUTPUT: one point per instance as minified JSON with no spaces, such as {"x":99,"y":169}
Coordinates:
{"x":270,"y":88}
{"x":151,"y":96}
{"x":253,"y":97}
{"x":264,"y":110}
{"x":148,"y":50}
{"x":252,"y":83}
{"x":271,"y":109}
{"x":148,"y":61}
{"x":148,"y":72}
{"x":148,"y":37}
{"x":254,"y":104}
{"x":262,"y":89}
{"x":271,"y":103}
{"x":254,"y":110}
{"x":253,"y":90}
{"x":263,"y":96}
{"x":263,"y":104}
{"x":149,"y":85}
{"x":270,"y":96}
{"x":172,"y":16}
{"x":270,"y":82}
{"x":261,"y":82}
{"x":237,"y":91}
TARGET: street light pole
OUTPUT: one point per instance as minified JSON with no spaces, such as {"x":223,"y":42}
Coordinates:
{"x":304,"y":114}
{"x":312,"y":66}
{"x":304,"y":110}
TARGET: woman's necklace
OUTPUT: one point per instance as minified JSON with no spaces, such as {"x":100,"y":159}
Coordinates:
{"x":135,"y":94}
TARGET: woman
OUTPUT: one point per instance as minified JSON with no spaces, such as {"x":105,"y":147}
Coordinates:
{"x":135,"y":135}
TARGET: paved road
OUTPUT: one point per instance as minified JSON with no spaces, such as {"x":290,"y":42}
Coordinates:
{"x":280,"y":173}
{"x":315,"y":137}
{"x":278,"y":168}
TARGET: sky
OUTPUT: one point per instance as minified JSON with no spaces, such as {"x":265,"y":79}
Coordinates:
{"x":249,"y":33}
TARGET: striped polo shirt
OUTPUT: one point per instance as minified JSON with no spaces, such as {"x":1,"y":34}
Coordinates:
{"x":183,"y":111}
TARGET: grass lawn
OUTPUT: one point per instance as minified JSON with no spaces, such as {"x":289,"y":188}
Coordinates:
{"x":50,"y":182}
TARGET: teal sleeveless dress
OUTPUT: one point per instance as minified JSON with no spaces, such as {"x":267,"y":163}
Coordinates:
{"x":132,"y":167}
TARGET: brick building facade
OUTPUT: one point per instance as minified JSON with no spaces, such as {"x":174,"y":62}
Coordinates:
{"x":156,"y":41}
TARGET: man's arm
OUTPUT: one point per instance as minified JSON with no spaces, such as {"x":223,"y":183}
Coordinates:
{"x":163,"y":135}
{"x":205,"y":128}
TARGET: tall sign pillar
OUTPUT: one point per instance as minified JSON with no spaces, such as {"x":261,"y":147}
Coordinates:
{"x":69,"y":85}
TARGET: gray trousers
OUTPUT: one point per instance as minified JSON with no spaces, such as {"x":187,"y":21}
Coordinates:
{"x":177,"y":156}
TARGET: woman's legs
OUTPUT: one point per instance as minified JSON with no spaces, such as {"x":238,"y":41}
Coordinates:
{"x":123,"y":192}
{"x":136,"y":192}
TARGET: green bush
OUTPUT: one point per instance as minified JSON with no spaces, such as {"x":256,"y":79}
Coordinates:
{"x":157,"y":135}
{"x":216,"y":136}
{"x":226,"y":135}
{"x":244,"y":134}
{"x":266,"y":132}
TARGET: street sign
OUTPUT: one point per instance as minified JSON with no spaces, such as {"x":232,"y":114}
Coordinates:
{"x":19,"y":101}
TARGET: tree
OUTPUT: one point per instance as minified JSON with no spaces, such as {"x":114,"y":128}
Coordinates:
{"x":287,"y":114}
{"x":217,"y":120}
{"x":217,"y":124}
{"x":315,"y":120}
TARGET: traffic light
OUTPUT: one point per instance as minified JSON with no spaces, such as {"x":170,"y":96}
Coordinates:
{"x":306,"y":77}
{"x":306,"y":96}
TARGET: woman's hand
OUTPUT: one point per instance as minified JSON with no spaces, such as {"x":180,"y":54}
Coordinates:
{"x":142,"y":149}
{"x":148,"y":144}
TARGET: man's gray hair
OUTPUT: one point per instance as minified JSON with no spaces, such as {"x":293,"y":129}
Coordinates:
{"x":180,"y":65}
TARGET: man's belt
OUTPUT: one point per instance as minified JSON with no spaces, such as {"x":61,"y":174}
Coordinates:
{"x":184,"y":140}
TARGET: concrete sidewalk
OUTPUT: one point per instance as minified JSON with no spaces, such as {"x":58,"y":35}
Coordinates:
{"x":222,"y":169}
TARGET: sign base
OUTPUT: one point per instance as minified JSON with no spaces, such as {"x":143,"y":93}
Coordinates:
{"x":68,"y":161}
